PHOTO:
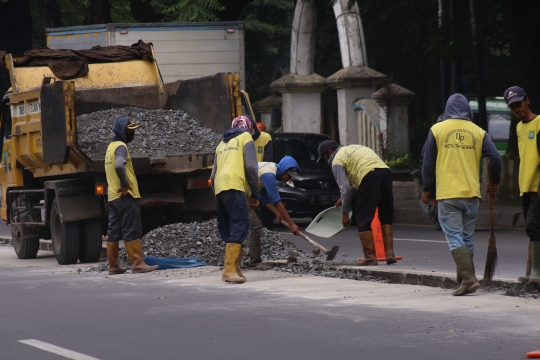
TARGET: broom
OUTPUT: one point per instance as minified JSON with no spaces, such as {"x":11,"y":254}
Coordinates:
{"x":491,"y":259}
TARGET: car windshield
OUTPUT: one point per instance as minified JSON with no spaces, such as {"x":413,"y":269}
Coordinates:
{"x":300,"y":148}
{"x":499,"y":126}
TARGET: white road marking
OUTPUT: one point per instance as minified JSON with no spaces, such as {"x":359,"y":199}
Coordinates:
{"x":433,"y":241}
{"x":57,"y":350}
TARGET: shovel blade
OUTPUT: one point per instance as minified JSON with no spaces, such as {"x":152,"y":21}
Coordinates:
{"x":331,"y":254}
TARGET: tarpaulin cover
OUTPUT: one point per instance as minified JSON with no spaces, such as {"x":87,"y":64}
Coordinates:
{"x":171,"y":263}
{"x":72,"y":64}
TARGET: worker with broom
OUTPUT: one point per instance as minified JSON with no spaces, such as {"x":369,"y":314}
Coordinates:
{"x":451,"y":161}
{"x":371,"y":181}
{"x":529,"y":173}
{"x":235,"y":169}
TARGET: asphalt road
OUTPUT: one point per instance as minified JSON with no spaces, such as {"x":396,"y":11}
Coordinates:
{"x":190,"y":313}
{"x":425,"y":249}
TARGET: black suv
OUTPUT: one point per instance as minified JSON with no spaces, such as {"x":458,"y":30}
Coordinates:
{"x":314,"y":189}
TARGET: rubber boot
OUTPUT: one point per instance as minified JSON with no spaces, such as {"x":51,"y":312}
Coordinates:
{"x":528,"y":267}
{"x":232,"y":257}
{"x":135,"y":253}
{"x":368,"y":245}
{"x":535,"y":261}
{"x":458,"y":275}
{"x":238,"y":269}
{"x":112,"y":257}
{"x":388,"y":240}
{"x":256,"y":262}
{"x":465,"y":266}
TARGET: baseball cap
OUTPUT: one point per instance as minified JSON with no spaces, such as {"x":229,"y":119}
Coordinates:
{"x":293,"y":171}
{"x":514,"y":94}
{"x":132,"y":125}
{"x":325,"y":146}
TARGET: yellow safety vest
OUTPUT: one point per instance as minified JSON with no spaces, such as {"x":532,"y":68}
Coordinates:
{"x":459,"y":148}
{"x":357,"y":160}
{"x":529,"y":172}
{"x":260,"y":143}
{"x":265,"y":168}
{"x":231,"y":173}
{"x":113,"y":181}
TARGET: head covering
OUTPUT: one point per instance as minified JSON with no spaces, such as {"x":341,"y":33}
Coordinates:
{"x":287,"y":164}
{"x":457,"y":107}
{"x":242,"y":122}
{"x":119,"y":128}
{"x":261,"y":126}
{"x":514,"y":94}
{"x":325,"y":146}
{"x":255,"y":133}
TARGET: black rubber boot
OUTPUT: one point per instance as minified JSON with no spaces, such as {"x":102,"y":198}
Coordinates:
{"x":465,"y":267}
{"x":535,"y":261}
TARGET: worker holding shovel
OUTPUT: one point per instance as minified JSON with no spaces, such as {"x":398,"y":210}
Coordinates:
{"x":451,"y":161}
{"x":372,"y":178}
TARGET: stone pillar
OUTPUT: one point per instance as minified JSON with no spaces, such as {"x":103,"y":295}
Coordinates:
{"x":395,"y":101}
{"x":265,"y":106}
{"x":353,"y":83}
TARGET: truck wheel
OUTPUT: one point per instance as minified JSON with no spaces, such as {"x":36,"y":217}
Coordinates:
{"x":65,"y":237}
{"x":24,"y":248}
{"x":91,"y":242}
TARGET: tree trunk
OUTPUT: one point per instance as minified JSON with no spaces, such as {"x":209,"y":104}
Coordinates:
{"x":99,"y":12}
{"x":524,"y":36}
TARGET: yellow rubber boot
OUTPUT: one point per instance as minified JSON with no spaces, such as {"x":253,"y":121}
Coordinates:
{"x":232,"y":258}
{"x":112,"y":257}
{"x":135,"y":253}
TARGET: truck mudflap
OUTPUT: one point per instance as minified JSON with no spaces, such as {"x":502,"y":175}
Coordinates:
{"x":76,"y":199}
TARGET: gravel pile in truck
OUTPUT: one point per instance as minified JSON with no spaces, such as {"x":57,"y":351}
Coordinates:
{"x":163,"y":132}
{"x":202,"y":240}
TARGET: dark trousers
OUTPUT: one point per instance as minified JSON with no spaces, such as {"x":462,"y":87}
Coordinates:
{"x":124,"y":219}
{"x":232,"y":216}
{"x":375,"y":191}
{"x":531,"y":212}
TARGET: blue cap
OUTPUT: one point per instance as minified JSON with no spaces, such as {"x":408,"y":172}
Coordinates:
{"x":514,"y":94}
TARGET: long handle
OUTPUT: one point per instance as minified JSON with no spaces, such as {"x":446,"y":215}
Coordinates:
{"x":313,"y":242}
{"x":491,"y":206}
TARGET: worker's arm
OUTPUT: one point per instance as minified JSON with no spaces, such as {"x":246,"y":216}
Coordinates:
{"x":281,"y":213}
{"x":120,"y":156}
{"x":346,"y":191}
{"x":268,"y":152}
{"x":251,"y":169}
{"x":428,"y":166}
{"x":490,"y":151}
{"x":213,"y":174}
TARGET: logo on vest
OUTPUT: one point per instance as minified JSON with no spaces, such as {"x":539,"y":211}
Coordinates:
{"x":460,"y":137}
{"x":531,"y":134}
{"x":260,"y":149}
{"x":464,"y":139}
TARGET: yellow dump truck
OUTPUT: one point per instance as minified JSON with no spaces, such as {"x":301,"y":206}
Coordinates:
{"x":50,"y":189}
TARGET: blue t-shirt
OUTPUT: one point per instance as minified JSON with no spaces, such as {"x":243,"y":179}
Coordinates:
{"x":270,"y":193}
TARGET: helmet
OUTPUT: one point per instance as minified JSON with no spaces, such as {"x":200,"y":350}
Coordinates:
{"x":261,"y":126}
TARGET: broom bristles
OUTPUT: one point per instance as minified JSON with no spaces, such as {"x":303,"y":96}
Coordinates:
{"x":491,"y":262}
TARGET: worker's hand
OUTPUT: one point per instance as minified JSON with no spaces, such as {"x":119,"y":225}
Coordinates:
{"x":124,"y":191}
{"x":425,"y":197}
{"x":294,"y":228}
{"x":345,"y":220}
{"x":254,"y":203}
{"x":338,"y":203}
{"x":279,"y":218}
{"x":492,"y":189}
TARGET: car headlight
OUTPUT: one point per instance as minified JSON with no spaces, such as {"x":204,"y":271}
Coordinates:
{"x":290,"y":183}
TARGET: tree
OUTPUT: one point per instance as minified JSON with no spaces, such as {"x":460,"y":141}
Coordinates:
{"x":188,"y":10}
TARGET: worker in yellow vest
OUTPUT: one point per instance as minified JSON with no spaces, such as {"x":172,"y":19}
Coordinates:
{"x":360,"y":167}
{"x":268,"y":175}
{"x":235,"y":169}
{"x":454,"y":148}
{"x":123,"y":197}
{"x":528,"y":131}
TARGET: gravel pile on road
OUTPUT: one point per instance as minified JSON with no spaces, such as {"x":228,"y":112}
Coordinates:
{"x":202,"y":240}
{"x":163,"y":132}
{"x":6,"y":242}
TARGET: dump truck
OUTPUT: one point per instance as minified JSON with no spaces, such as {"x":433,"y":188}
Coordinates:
{"x":51,"y":189}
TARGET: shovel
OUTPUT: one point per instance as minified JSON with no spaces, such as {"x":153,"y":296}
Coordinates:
{"x":330,"y":254}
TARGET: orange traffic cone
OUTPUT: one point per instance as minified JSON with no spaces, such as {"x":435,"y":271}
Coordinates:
{"x":534,"y":354}
{"x":378,"y":239}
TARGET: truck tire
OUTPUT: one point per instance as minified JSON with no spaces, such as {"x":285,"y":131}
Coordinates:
{"x":24,"y":248}
{"x":91,"y":242}
{"x":66,"y":237}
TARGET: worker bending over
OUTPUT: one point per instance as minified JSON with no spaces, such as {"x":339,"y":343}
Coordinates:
{"x":269,"y":173}
{"x":123,"y":197}
{"x":235,"y":169}
{"x":453,"y":151}
{"x":360,"y":166}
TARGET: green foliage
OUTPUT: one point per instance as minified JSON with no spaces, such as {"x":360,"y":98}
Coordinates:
{"x":399,"y":163}
{"x":268,"y":37}
{"x":188,"y":10}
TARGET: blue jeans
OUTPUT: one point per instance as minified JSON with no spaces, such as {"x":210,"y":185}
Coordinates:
{"x":457,"y":218}
{"x":232,"y":216}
